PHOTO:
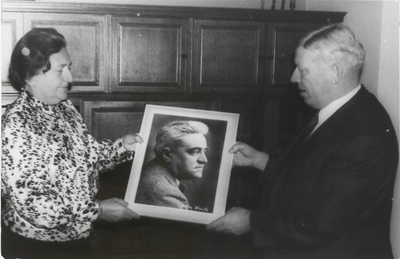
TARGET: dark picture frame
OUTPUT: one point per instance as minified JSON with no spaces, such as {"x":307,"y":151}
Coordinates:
{"x":206,"y":196}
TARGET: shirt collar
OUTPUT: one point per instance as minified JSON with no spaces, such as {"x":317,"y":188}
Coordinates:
{"x":39,"y":105}
{"x":331,"y":108}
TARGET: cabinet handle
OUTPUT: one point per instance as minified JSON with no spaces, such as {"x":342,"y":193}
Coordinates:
{"x":184,"y":55}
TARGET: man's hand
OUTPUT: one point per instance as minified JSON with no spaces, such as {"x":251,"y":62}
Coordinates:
{"x":130,"y":141}
{"x":245,"y":155}
{"x":236,"y":221}
{"x":116,"y":210}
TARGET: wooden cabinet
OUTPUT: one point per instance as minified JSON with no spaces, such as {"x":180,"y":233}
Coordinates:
{"x":150,"y":54}
{"x":11,"y":32}
{"x":282,"y":42}
{"x":87,"y":44}
{"x":127,"y":56}
{"x":123,"y":117}
{"x":228,"y":56}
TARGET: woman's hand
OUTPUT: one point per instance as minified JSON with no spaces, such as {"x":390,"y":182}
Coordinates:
{"x":130,"y":141}
{"x":245,"y":155}
{"x":116,"y":210}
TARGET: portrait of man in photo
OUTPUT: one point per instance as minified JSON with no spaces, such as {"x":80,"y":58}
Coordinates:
{"x":177,"y":171}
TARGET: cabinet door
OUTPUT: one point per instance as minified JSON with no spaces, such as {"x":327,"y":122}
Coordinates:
{"x":113,"y":119}
{"x":282,"y":42}
{"x":228,"y":56}
{"x":149,"y":54}
{"x":87,"y":44}
{"x":11,"y":32}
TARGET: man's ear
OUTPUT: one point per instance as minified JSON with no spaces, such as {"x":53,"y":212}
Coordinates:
{"x":337,"y":73}
{"x":166,"y":155}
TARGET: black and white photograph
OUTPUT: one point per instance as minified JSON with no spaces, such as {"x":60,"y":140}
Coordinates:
{"x":200,"y":129}
{"x":184,"y":164}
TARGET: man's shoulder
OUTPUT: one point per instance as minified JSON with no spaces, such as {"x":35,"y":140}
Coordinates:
{"x":155,"y":173}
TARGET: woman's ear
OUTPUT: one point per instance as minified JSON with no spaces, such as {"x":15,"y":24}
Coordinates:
{"x":30,"y":82}
{"x":166,"y":155}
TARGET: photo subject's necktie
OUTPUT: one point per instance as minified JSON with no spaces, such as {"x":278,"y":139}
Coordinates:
{"x":182,"y":187}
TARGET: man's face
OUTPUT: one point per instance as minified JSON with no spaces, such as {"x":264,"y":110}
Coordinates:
{"x":188,"y":160}
{"x":52,"y":87}
{"x":312,"y":77}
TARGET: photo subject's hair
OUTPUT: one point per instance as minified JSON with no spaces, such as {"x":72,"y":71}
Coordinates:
{"x":171,"y":134}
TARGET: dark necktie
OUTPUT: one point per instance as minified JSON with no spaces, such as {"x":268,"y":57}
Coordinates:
{"x":311,"y":126}
{"x":182,"y":187}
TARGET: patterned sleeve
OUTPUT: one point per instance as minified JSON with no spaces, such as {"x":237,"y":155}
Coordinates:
{"x":29,"y":169}
{"x":112,"y":154}
{"x":108,"y":153}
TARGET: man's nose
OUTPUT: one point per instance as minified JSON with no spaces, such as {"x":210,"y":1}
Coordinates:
{"x":295,"y":76}
{"x":203,"y":158}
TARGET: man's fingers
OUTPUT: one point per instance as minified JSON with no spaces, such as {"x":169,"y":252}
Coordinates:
{"x":235,"y":148}
{"x":215,"y":224}
{"x":132,"y":214}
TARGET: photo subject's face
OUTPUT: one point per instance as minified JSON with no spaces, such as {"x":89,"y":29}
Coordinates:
{"x":188,"y":160}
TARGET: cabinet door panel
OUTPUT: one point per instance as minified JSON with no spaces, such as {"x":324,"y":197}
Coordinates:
{"x":149,"y":54}
{"x":87,"y":45}
{"x":113,"y":119}
{"x":227,"y":56}
{"x":11,"y":32}
{"x":282,"y":42}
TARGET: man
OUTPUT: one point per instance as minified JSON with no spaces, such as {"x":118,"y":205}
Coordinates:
{"x":330,"y":194}
{"x":180,"y":151}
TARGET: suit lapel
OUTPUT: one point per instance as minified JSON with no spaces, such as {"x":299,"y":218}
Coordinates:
{"x":336,"y":118}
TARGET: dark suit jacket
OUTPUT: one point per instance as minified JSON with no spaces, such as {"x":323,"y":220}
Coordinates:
{"x":331,"y":196}
{"x":157,"y":186}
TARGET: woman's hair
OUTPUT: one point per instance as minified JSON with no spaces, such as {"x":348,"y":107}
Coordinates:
{"x":32,"y":54}
{"x":171,"y":135}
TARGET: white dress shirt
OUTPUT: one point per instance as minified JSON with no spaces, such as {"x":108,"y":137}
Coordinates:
{"x":331,"y":108}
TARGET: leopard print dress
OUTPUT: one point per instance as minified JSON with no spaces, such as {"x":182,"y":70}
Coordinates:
{"x":50,"y":166}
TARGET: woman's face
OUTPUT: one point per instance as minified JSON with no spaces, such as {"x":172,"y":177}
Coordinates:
{"x":52,"y":87}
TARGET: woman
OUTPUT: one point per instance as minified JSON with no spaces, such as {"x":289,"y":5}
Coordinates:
{"x":50,"y":162}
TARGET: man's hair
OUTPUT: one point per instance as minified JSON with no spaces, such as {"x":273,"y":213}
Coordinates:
{"x":170,"y":136}
{"x":32,"y":54}
{"x":336,"y":42}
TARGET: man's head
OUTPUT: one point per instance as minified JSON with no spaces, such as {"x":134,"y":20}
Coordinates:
{"x":182,"y":145}
{"x":329,"y":64}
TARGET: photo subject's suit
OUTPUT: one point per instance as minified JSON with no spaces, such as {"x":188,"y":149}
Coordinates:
{"x":330,"y":196}
{"x":157,"y":186}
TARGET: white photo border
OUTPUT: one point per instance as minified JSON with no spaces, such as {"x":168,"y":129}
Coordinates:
{"x":199,"y":217}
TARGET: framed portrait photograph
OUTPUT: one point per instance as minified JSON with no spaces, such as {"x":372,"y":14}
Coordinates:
{"x":181,"y":171}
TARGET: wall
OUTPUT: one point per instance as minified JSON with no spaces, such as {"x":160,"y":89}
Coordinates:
{"x":389,"y":94}
{"x":379,"y":32}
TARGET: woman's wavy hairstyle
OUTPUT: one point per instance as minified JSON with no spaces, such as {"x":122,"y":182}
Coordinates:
{"x":32,"y":55}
